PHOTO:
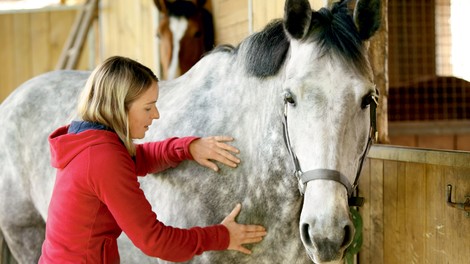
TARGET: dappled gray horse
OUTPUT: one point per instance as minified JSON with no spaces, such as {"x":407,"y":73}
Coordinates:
{"x":303,"y":81}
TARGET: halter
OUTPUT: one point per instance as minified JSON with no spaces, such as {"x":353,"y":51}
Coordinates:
{"x":326,"y":174}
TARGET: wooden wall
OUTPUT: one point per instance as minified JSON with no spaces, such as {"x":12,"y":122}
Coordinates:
{"x":448,"y":135}
{"x":234,"y":19}
{"x":406,"y":219}
{"x":31,"y":43}
{"x":128,"y":28}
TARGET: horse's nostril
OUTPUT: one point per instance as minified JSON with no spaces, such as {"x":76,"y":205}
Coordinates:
{"x":306,"y":234}
{"x":348,"y":235}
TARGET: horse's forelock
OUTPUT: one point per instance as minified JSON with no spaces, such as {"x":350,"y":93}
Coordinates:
{"x":182,"y":8}
{"x":336,"y":33}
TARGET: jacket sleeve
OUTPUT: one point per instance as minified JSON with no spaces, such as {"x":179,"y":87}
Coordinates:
{"x":115,"y":183}
{"x":161,"y":155}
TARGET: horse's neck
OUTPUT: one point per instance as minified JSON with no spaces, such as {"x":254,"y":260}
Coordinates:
{"x":232,"y":103}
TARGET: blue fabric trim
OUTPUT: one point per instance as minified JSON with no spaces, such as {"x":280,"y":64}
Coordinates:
{"x":81,"y":126}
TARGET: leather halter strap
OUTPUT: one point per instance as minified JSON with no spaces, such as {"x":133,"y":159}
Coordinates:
{"x":326,"y":174}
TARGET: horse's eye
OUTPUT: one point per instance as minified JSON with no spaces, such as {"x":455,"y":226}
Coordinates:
{"x":198,"y":34}
{"x":158,"y":35}
{"x":367,"y":100}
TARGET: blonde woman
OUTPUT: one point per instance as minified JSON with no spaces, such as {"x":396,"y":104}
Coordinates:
{"x":96,"y":194}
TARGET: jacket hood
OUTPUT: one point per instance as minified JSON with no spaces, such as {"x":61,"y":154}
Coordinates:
{"x":67,"y":142}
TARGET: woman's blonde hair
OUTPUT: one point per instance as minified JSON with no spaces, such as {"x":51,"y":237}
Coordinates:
{"x":110,"y":90}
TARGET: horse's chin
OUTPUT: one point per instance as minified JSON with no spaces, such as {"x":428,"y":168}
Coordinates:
{"x":315,"y":258}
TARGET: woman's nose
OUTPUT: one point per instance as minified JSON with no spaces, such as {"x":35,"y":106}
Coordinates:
{"x":156,"y":114}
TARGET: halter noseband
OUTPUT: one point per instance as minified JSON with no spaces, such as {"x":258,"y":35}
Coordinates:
{"x":326,"y":174}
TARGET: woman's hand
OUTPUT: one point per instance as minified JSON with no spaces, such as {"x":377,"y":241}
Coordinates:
{"x":208,"y":149}
{"x":242,"y":234}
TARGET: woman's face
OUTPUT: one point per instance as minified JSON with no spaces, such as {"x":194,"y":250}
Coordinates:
{"x":143,"y":111}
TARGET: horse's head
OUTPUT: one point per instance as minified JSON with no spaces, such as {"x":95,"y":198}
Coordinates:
{"x":186,"y":32}
{"x":329,"y":96}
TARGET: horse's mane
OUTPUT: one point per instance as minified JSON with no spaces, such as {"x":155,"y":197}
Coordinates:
{"x":334,"y":31}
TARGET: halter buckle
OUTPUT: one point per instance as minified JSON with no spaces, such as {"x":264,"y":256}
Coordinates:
{"x":301,"y":185}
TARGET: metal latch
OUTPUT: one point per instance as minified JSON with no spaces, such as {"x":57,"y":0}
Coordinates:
{"x":465,"y":206}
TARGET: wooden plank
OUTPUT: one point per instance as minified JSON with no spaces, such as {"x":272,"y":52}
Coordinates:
{"x":390,"y":217}
{"x":230,"y":21}
{"x":7,"y":84}
{"x":376,"y":210}
{"x":264,"y":12}
{"x":414,"y":211}
{"x":61,"y":26}
{"x":435,"y":220}
{"x":110,"y":28}
{"x":61,"y":23}
{"x":147,"y":26}
{"x":436,"y":157}
{"x":233,"y":34}
{"x":22,"y":69}
{"x":401,"y":211}
{"x":365,"y":210}
{"x":83,"y":62}
{"x":128,"y":33}
{"x":394,"y":218}
{"x":128,"y":29}
{"x":457,"y":223}
{"x":73,"y":50}
{"x":39,"y":29}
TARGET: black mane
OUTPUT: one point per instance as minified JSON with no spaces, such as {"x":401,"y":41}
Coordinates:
{"x":267,"y":50}
{"x":334,"y":30}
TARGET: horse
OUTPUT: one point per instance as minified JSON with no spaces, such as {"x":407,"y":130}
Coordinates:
{"x":299,"y":99}
{"x":186,"y":33}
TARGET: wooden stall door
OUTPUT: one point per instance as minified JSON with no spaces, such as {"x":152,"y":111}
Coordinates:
{"x":406,"y":219}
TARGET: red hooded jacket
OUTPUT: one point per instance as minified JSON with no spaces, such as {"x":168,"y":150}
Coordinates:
{"x":97,"y":196}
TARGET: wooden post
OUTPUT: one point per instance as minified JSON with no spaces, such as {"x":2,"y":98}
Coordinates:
{"x":378,"y":54}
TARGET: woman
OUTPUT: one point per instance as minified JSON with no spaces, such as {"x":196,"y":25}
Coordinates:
{"x":96,"y":194}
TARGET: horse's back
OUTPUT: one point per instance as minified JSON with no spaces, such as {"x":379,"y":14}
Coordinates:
{"x":27,"y":117}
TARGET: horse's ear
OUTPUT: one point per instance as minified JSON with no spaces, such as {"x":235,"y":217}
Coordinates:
{"x":201,"y":3}
{"x":297,"y":17}
{"x":161,"y":6}
{"x":367,"y":16}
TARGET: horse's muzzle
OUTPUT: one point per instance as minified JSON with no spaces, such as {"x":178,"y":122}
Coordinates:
{"x":326,"y":227}
{"x":326,"y":248}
